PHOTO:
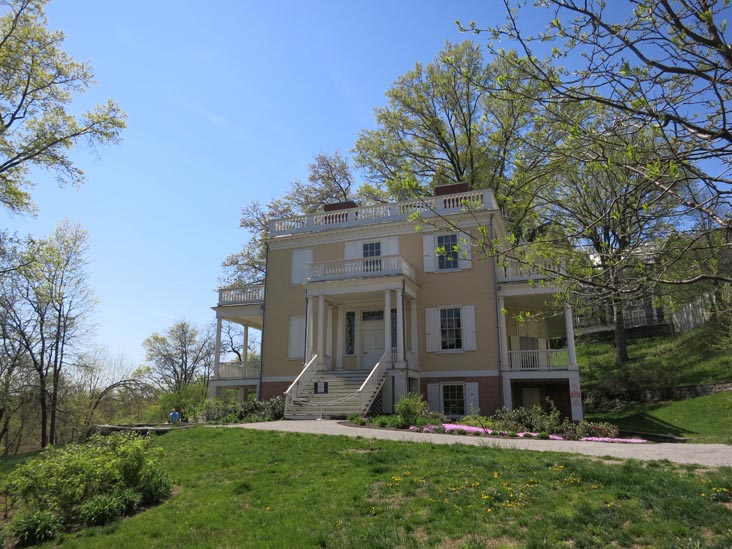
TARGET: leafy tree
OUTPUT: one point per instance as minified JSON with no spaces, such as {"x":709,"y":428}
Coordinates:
{"x":665,"y":66}
{"x":37,"y":82}
{"x":180,"y":357}
{"x":330,"y":179}
{"x":46,"y":302}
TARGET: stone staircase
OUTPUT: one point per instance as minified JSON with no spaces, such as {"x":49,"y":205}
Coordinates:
{"x":341,"y":400}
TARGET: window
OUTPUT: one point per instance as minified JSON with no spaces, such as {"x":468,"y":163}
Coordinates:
{"x":453,"y":400}
{"x":447,"y":256}
{"x":451,"y":329}
{"x":440,"y":253}
{"x":371,"y":249}
{"x":350,"y":332}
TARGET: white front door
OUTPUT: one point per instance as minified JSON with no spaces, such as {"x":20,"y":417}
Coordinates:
{"x":372,"y":342}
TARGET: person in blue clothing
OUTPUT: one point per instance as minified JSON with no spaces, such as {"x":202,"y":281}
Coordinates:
{"x":174,"y":416}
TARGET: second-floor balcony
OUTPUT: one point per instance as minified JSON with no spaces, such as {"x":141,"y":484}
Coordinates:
{"x":237,"y":370}
{"x":242,"y":296}
{"x":367,"y":267}
{"x":512,"y":270}
{"x":551,"y":359}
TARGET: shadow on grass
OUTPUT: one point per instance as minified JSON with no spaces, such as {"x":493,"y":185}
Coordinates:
{"x":642,"y":421}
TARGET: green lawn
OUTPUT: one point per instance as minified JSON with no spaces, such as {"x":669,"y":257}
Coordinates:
{"x":241,"y":488}
{"x":704,"y":419}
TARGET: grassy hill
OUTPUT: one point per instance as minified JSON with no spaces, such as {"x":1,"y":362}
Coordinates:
{"x":691,"y":358}
{"x":241,"y":488}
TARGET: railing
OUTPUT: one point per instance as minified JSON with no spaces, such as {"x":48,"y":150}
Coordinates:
{"x":340,"y":269}
{"x":515,"y":270}
{"x":397,"y":211}
{"x":371,"y":385}
{"x":237,"y":370}
{"x":241,"y":296}
{"x":538,"y":360}
{"x":305,"y":377}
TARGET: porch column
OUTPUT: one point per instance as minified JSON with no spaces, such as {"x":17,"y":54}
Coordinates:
{"x":329,"y":336}
{"x":341,"y":336}
{"x":217,"y":348}
{"x":245,"y":350}
{"x":569,"y":324}
{"x":387,"y":323}
{"x":321,"y":325}
{"x":309,"y":329}
{"x":413,"y":312}
{"x":502,"y":334}
{"x":400,"y":327}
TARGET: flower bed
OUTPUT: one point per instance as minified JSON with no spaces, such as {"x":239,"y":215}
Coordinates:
{"x":457,"y":428}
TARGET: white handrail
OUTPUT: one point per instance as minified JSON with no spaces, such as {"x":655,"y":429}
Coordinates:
{"x":374,"y":378}
{"x":304,"y":376}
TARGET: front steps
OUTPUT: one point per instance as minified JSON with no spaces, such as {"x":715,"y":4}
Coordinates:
{"x":341,"y":400}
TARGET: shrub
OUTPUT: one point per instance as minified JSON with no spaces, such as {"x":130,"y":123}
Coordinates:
{"x":230,"y":411}
{"x":35,"y":527}
{"x":155,"y":486}
{"x":597,"y":429}
{"x":101,"y":509}
{"x":410,"y":409}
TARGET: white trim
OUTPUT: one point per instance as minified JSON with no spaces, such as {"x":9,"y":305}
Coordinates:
{"x":458,"y":373}
{"x":272,"y":379}
{"x":233,"y":383}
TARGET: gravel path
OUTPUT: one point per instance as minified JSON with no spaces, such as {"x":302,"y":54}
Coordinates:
{"x":713,"y":455}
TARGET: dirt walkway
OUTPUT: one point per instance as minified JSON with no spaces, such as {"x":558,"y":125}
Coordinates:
{"x":714,"y":455}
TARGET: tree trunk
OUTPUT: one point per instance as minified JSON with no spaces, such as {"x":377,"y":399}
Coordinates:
{"x":621,"y":346}
{"x":42,"y":400}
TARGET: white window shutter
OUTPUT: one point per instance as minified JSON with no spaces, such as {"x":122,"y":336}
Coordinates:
{"x":468,"y":326}
{"x":432,"y":329}
{"x":301,"y":261}
{"x":296,"y":345}
{"x":390,"y":246}
{"x":433,"y":397}
{"x":465,"y":255}
{"x":472,"y":402}
{"x":428,"y":250}
{"x":352,"y":251}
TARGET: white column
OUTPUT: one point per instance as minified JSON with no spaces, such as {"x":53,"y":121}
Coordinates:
{"x":309,"y":329}
{"x":415,"y":337}
{"x":503,"y":336}
{"x":341,"y":336}
{"x":321,"y":326}
{"x":329,"y":336}
{"x":245,"y":351}
{"x":569,"y":325}
{"x":400,"y":327}
{"x":217,"y":348}
{"x":387,"y":323}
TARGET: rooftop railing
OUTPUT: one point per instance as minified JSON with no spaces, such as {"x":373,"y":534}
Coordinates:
{"x":242,"y":296}
{"x":480,"y":200}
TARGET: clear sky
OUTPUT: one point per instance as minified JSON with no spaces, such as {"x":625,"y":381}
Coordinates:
{"x":227,"y":102}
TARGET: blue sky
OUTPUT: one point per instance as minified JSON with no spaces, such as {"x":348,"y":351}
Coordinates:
{"x":227,"y":102}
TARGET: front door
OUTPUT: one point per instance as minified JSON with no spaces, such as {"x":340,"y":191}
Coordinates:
{"x":372,"y":342}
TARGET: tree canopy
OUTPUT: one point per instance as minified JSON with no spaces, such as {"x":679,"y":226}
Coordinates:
{"x":37,"y":83}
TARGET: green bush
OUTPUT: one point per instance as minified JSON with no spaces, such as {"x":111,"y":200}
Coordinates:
{"x":101,"y":509}
{"x":230,"y":411}
{"x":93,"y":482}
{"x":35,"y":527}
{"x":410,"y":409}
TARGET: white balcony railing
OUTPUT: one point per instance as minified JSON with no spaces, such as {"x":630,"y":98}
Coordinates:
{"x":237,"y":370}
{"x":480,"y":200}
{"x":241,"y":296}
{"x":514,"y":270}
{"x":368,"y":267}
{"x":557,"y":359}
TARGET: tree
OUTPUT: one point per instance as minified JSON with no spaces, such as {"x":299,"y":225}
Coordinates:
{"x":661,"y":65}
{"x":46,"y":302}
{"x":37,"y":82}
{"x":180,"y":357}
{"x":330,"y":179}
